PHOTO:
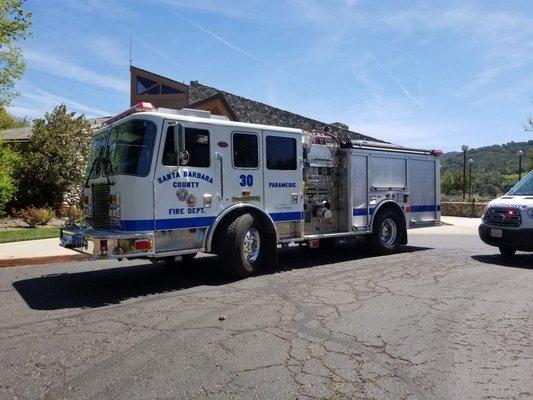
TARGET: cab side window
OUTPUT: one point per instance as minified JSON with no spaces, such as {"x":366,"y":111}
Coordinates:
{"x":245,"y":150}
{"x":196,"y":144}
{"x":281,"y":153}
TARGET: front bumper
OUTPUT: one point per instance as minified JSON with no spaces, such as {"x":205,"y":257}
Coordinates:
{"x":520,"y":239}
{"x":105,"y":244}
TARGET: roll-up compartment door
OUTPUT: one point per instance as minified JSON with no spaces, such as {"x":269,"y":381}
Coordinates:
{"x":422,"y":187}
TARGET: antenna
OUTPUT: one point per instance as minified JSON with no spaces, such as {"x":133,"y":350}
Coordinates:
{"x":131,"y":46}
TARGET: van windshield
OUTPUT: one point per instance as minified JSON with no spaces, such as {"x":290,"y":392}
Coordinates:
{"x":524,"y":187}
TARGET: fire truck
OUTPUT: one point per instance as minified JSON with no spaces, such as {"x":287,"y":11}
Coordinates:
{"x":165,"y":184}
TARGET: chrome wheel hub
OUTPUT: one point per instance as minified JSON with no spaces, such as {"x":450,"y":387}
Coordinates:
{"x":252,"y":244}
{"x":388,"y":232}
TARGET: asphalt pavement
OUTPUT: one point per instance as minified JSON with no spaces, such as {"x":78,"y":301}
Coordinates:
{"x":446,"y":318}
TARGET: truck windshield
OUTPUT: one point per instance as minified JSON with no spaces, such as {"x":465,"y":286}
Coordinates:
{"x":130,"y":147}
{"x":94,"y":165}
{"x":524,"y":187}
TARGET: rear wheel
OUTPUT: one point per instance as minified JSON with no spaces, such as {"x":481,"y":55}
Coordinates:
{"x":507,"y":251}
{"x":241,"y":250}
{"x":386,"y":236}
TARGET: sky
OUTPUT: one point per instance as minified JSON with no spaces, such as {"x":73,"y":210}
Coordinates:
{"x":417,"y":73}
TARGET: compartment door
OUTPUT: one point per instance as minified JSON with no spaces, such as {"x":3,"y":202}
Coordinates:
{"x":359,"y":183}
{"x":423,"y":184}
{"x":283,"y":174}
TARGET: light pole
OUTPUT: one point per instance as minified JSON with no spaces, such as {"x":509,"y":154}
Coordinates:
{"x":520,"y":154}
{"x":470,"y":162}
{"x":464,"y":147}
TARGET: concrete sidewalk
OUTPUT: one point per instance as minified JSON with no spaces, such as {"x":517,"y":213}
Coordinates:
{"x":32,"y":252}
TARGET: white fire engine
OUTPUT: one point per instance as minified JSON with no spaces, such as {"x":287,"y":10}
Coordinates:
{"x":165,"y":184}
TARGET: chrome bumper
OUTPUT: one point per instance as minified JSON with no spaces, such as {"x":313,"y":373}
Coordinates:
{"x":105,"y":244}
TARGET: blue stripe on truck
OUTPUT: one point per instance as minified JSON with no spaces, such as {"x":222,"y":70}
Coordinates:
{"x":425,"y":208}
{"x":196,"y":222}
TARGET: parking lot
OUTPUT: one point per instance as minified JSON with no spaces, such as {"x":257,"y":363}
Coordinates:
{"x":445,"y":318}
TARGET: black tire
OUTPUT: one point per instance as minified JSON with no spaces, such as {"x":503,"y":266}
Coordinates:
{"x":386,"y":235}
{"x":507,"y":252}
{"x":238,"y":255}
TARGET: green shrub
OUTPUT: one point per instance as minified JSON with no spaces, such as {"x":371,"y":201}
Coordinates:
{"x":55,"y":158}
{"x":9,"y":162}
{"x":34,"y":216}
{"x":72,"y":213}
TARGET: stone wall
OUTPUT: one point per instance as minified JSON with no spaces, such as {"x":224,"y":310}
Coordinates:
{"x":460,"y":209}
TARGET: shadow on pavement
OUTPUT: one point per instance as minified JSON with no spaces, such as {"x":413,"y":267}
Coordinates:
{"x":101,"y":287}
{"x":524,"y":261}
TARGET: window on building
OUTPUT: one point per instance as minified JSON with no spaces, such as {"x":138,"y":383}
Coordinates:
{"x":281,"y":153}
{"x":147,"y":86}
{"x":169,"y":90}
{"x":245,"y":150}
{"x":196,"y":144}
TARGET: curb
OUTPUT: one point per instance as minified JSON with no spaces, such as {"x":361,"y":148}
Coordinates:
{"x":17,"y":262}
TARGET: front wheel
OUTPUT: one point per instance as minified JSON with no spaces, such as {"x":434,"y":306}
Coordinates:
{"x":386,"y":234}
{"x":242,"y":248}
{"x":507,"y":251}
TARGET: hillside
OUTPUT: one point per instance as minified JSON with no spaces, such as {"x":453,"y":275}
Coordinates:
{"x":495,"y":158}
{"x":494,"y":172}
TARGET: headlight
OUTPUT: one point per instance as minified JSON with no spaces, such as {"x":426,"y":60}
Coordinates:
{"x":530,"y":212}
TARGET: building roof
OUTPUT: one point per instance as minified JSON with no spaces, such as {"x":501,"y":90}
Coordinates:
{"x":246,"y":110}
{"x":24,"y":134}
{"x":16,"y":134}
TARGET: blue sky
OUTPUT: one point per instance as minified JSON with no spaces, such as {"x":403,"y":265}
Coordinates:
{"x":427,"y":74}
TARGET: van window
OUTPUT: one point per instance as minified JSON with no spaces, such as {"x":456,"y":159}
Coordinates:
{"x":196,"y":143}
{"x":245,"y":150}
{"x":281,"y":153}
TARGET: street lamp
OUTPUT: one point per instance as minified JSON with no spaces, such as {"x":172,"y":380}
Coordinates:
{"x":520,"y":153}
{"x":470,"y":162}
{"x":464,"y":147}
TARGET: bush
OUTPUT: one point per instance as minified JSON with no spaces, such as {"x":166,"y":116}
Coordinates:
{"x":34,"y":216}
{"x":71,"y":213}
{"x":9,"y":161}
{"x":55,"y":159}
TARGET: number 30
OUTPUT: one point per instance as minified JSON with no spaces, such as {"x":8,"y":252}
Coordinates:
{"x":246,"y":180}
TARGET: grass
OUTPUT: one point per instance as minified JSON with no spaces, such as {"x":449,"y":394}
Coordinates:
{"x":18,"y":235}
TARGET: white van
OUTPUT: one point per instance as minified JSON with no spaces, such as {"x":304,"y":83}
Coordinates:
{"x":507,"y":222}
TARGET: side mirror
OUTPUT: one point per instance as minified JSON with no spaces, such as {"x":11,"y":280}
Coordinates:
{"x":183,"y":154}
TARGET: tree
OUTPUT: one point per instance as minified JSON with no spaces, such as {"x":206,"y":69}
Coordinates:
{"x":55,"y":159}
{"x":451,"y":182}
{"x":14,"y":25}
{"x":9,"y":161}
{"x":8,"y":121}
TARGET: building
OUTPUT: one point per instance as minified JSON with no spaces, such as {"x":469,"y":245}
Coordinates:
{"x":161,"y":91}
{"x":23,"y":135}
{"x":165,"y":92}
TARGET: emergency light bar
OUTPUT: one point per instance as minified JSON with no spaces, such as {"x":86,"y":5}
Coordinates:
{"x":143,"y":106}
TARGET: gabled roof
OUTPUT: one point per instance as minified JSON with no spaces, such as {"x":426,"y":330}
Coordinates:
{"x":24,"y":134}
{"x":255,"y":112}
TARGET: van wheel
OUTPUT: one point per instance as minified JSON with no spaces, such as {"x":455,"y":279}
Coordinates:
{"x":241,"y":252}
{"x":386,"y":235}
{"x":507,"y":251}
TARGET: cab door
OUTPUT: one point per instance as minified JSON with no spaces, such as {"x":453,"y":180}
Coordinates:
{"x":240,"y":162}
{"x":185,"y":183}
{"x":283,"y":174}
